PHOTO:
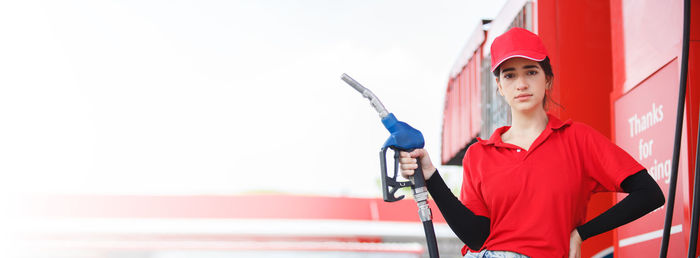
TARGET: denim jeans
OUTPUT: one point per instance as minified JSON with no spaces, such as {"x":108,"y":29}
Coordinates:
{"x":494,"y":254}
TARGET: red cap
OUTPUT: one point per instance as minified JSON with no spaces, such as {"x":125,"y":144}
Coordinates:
{"x":516,"y":42}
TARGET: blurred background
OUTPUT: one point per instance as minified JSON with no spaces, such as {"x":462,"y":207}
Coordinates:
{"x":189,"y":128}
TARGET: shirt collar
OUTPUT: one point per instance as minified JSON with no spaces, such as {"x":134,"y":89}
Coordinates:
{"x":554,"y":124}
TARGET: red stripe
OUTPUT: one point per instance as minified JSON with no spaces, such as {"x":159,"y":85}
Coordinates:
{"x":237,"y":207}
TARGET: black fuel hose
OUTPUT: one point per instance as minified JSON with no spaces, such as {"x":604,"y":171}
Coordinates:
{"x":430,"y":239}
{"x":671,"y":198}
{"x":421,"y":196}
{"x":692,"y":248}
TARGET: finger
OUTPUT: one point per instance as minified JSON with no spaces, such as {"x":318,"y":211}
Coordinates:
{"x":407,"y":173}
{"x":409,"y":166}
{"x":404,"y":154}
{"x":416,"y":153}
{"x":407,"y":161}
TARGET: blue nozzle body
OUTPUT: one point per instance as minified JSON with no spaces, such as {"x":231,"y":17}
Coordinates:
{"x":403,"y":136}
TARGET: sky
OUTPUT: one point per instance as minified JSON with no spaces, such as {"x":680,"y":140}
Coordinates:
{"x":219,"y":97}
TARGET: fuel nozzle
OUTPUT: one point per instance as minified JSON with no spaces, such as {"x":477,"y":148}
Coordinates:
{"x":403,"y":138}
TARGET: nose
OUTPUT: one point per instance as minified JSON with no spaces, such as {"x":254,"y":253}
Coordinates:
{"x":521,"y":84}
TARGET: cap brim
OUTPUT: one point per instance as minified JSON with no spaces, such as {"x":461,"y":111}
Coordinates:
{"x":524,"y":54}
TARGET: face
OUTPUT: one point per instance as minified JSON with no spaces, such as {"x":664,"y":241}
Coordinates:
{"x":522,"y":83}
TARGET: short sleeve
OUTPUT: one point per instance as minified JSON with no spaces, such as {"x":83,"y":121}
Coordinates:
{"x":471,"y":195}
{"x":606,"y":163}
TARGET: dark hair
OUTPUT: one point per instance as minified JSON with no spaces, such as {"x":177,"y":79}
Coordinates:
{"x":549,"y":74}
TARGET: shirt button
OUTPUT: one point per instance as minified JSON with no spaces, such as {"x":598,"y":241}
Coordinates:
{"x":518,"y":150}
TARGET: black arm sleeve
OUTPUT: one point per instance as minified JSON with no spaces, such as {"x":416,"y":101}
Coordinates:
{"x":470,"y":228}
{"x":644,"y":196}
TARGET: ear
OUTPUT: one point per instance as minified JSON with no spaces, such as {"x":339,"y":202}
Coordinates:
{"x":550,"y":80}
{"x":498,"y":83}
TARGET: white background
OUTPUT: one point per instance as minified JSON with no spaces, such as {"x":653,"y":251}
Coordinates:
{"x":218,"y":97}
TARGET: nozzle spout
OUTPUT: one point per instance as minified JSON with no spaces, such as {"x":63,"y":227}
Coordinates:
{"x":378,"y":106}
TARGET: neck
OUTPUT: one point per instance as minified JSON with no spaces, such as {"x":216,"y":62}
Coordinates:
{"x":529,"y":122}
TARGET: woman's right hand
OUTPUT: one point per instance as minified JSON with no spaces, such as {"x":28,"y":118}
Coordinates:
{"x":408,"y":163}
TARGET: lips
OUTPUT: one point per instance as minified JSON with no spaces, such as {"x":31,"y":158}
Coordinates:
{"x":523,"y":96}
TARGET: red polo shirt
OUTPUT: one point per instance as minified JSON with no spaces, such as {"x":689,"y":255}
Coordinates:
{"x":535,"y":198}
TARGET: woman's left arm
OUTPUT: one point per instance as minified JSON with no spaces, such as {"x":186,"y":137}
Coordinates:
{"x":644,"y":196}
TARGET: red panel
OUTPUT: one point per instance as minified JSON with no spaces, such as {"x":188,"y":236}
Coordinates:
{"x":455,"y":113}
{"x":644,"y":127}
{"x":599,"y":203}
{"x":618,"y":49}
{"x":462,"y":115}
{"x":547,"y":22}
{"x":475,"y":102}
{"x":641,"y":47}
{"x":584,"y":66}
{"x":468,"y":135}
{"x":451,"y":137}
{"x":692,"y":114}
{"x":454,"y":110}
{"x":577,"y":37}
{"x":463,"y":128}
{"x":652,"y":36}
{"x":447,"y":139}
{"x":232,"y":207}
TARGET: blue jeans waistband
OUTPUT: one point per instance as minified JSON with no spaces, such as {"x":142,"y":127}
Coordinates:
{"x":494,"y":254}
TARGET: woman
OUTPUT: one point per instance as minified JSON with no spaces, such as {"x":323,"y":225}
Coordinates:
{"x":525,"y":190}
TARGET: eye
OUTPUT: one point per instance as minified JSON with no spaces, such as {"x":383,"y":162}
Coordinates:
{"x":508,"y":75}
{"x":532,"y":72}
